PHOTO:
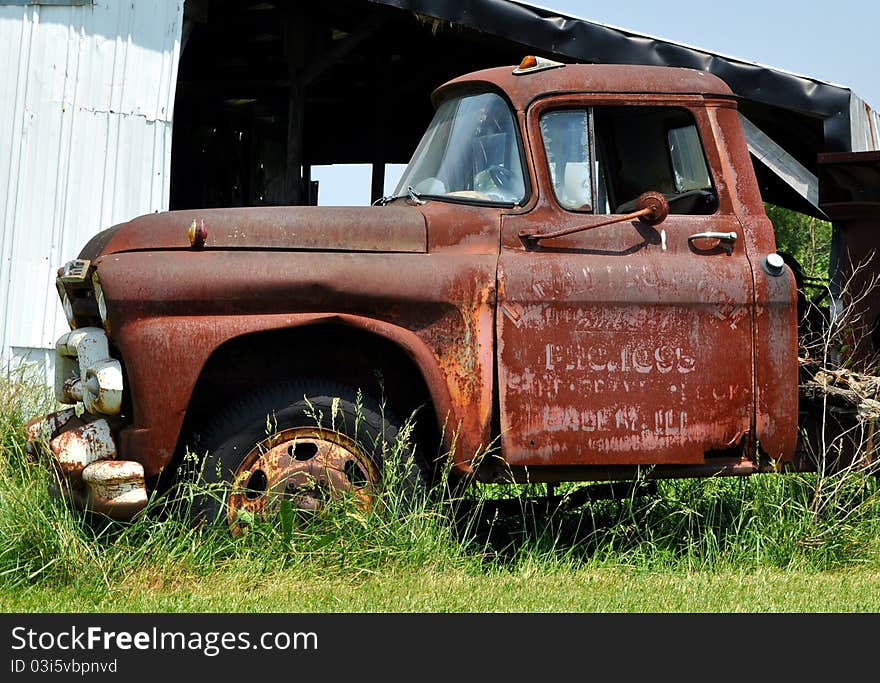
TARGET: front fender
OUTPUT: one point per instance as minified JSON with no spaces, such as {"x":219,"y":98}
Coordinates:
{"x":169,"y":311}
{"x":163,"y":373}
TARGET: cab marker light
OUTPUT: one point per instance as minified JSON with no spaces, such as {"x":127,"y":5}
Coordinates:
{"x":531,"y":63}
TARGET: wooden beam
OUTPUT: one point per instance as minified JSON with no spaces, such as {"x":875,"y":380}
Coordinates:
{"x":381,"y":100}
{"x":295,"y":35}
{"x":294,"y":160}
{"x":234,"y":88}
{"x":377,"y":185}
{"x":325,"y":60}
{"x":185,"y":32}
{"x":196,"y":10}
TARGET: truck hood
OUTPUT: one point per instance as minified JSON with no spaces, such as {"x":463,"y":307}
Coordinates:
{"x":363,"y":228}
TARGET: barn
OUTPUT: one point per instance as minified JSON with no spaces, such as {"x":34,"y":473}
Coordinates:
{"x":114,"y":109}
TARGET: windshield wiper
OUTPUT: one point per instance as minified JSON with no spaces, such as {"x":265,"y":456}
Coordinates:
{"x":414,"y":197}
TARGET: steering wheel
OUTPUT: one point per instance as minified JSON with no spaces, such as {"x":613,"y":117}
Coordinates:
{"x":698,"y":196}
{"x":701,"y":201}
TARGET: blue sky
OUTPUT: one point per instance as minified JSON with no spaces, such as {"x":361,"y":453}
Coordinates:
{"x":831,"y":41}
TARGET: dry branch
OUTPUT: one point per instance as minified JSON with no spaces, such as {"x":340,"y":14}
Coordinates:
{"x":844,"y":388}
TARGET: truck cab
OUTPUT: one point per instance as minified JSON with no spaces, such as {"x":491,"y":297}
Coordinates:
{"x":574,"y":280}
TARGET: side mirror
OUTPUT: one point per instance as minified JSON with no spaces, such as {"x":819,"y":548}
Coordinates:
{"x":651,"y":208}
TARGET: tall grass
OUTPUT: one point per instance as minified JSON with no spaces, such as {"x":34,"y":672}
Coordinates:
{"x":801,"y":521}
{"x":43,"y":540}
{"x":705,"y":525}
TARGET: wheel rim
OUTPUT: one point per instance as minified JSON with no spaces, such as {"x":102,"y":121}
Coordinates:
{"x":306,"y":466}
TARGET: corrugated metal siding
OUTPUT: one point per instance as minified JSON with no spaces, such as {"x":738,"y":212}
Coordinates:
{"x":86,"y":101}
{"x":865,"y":125}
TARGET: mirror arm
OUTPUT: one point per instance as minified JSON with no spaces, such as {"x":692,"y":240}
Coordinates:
{"x":652,"y":209}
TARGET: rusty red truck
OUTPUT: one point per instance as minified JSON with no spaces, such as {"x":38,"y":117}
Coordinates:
{"x":576,"y":275}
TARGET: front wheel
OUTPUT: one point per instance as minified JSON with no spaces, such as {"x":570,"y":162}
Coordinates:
{"x":305,"y":442}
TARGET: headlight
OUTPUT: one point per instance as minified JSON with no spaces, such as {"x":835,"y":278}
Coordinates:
{"x":67,"y":306}
{"x":76,"y":291}
{"x":99,"y":298}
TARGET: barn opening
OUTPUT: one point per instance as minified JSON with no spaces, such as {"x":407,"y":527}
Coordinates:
{"x":270,"y":94}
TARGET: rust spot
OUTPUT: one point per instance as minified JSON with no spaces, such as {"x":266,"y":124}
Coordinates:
{"x":307,"y":466}
{"x":47,"y":427}
{"x":116,"y":488}
{"x":80,"y":445}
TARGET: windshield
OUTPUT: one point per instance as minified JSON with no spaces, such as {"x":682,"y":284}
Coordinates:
{"x":469,"y":152}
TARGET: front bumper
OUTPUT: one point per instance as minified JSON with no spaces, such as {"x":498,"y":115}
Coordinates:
{"x":81,"y":442}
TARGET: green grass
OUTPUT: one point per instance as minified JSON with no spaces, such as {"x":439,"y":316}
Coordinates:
{"x":769,"y":543}
{"x":539,"y":588}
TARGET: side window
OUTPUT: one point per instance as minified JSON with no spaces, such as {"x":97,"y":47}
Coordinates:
{"x":566,"y":136}
{"x":628,"y":151}
{"x":652,"y":148}
{"x":688,"y":162}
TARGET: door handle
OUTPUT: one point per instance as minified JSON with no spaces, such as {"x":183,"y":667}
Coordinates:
{"x":728,"y":238}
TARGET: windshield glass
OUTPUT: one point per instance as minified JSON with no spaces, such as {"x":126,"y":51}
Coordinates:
{"x":469,"y":152}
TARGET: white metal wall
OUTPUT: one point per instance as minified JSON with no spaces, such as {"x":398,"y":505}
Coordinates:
{"x":86,"y":102}
{"x":865,"y":125}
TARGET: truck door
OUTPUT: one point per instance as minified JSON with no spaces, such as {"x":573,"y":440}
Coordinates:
{"x":624,"y":344}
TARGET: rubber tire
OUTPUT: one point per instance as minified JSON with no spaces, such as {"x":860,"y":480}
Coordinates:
{"x":233,"y":433}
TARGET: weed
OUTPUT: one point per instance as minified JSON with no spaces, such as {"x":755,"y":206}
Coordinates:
{"x":807,"y":521}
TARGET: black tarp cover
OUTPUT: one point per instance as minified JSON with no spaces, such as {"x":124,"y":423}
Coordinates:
{"x":555,"y":34}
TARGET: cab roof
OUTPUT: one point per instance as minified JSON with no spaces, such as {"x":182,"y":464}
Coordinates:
{"x":590,"y":78}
